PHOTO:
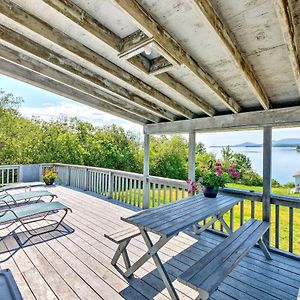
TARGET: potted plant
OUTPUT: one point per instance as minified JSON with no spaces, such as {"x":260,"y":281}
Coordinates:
{"x":212,"y":178}
{"x":49,"y":176}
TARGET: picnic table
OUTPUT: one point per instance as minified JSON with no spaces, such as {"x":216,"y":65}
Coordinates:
{"x":169,"y":220}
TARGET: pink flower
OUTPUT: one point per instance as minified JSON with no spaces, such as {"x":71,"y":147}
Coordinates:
{"x":189,"y":181}
{"x":235,"y":174}
{"x":219,"y":172}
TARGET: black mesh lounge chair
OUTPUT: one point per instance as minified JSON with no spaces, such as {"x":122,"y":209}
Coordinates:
{"x":31,"y":213}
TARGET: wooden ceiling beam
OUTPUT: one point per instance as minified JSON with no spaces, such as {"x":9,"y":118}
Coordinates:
{"x":287,"y":24}
{"x":219,"y":28}
{"x":69,"y":9}
{"x":151,"y":28}
{"x":50,"y":56}
{"x":20,"y":73}
{"x":168,"y":79}
{"x":46,"y":70}
{"x":16,"y":13}
{"x":279,"y":118}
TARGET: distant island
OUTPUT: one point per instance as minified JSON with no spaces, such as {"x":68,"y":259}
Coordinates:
{"x":293,"y":142}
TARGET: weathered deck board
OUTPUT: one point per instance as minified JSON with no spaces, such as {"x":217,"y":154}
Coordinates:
{"x":77,"y":266}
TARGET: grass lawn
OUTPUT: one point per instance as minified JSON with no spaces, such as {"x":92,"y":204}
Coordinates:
{"x":171,"y":195}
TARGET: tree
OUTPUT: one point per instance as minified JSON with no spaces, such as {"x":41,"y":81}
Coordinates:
{"x":200,"y":148}
{"x":227,"y":155}
{"x":8,"y":101}
{"x":168,"y":157}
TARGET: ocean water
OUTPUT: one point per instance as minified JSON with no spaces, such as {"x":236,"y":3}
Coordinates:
{"x":285,"y":161}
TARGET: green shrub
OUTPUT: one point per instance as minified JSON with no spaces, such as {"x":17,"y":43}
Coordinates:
{"x":252,"y":178}
{"x":275,"y":183}
{"x":289,"y":185}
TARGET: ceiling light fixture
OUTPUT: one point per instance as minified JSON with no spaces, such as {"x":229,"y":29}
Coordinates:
{"x":148,"y":50}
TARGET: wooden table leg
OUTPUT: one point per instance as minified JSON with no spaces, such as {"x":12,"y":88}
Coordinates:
{"x":152,"y":250}
{"x":163,"y":274}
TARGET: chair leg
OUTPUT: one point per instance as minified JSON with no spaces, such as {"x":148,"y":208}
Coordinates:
{"x":264,"y":249}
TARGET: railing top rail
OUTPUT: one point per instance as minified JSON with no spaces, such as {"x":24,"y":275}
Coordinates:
{"x":168,"y":181}
{"x":290,"y":201}
{"x":9,"y":166}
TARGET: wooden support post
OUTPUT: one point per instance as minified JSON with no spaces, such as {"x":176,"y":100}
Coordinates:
{"x":267,"y":179}
{"x":192,"y":150}
{"x":146,"y":188}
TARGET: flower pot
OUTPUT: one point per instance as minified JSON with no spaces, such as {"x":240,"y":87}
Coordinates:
{"x":49,"y":181}
{"x":210,"y":192}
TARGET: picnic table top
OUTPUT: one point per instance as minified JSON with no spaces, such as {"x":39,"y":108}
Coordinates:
{"x":168,"y":220}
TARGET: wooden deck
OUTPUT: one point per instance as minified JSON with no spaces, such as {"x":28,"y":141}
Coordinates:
{"x":76,"y":264}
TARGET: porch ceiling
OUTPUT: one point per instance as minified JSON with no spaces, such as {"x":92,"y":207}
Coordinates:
{"x":155,"y":61}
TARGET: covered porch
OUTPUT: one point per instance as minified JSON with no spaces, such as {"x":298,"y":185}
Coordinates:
{"x":141,"y":61}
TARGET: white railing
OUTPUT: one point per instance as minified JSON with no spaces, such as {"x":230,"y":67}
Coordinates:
{"x":127,"y":187}
{"x":9,"y":174}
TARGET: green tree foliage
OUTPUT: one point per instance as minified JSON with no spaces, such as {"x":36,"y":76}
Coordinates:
{"x":72,"y":141}
{"x":200,"y":148}
{"x":241,"y":161}
{"x":168,"y":157}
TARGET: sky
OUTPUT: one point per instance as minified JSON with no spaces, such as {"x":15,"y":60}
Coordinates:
{"x":46,"y":105}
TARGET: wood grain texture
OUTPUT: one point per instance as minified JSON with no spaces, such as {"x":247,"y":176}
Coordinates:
{"x":72,"y":266}
{"x":207,"y":274}
{"x":280,"y":118}
{"x":149,"y":26}
{"x":83,"y":19}
{"x":288,"y":24}
{"x":219,"y":28}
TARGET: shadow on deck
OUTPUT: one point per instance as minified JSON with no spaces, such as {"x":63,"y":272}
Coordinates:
{"x":75,"y":262}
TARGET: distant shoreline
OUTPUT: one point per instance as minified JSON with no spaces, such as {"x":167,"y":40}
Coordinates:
{"x":260,"y":146}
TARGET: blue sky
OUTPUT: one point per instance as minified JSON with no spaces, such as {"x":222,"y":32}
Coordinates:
{"x":46,"y":105}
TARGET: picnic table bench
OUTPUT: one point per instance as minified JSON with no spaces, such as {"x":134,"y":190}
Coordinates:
{"x":169,"y":220}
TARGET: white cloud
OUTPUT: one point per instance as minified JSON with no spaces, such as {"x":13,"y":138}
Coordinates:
{"x":65,"y":108}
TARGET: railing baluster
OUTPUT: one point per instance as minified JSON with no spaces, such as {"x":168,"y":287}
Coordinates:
{"x":165,"y":194}
{"x":159,"y":191}
{"x":176,"y":193}
{"x":252,"y":209}
{"x":130,"y":191}
{"x":241,"y":213}
{"x":119,"y":187}
{"x":153,"y":194}
{"x":139,"y":193}
{"x":122,"y":198}
{"x":134,"y":189}
{"x":171,"y":192}
{"x":277,"y":226}
{"x":232,"y":219}
{"x":126,"y":190}
{"x":291,"y":229}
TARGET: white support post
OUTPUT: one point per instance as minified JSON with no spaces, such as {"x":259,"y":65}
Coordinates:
{"x":267,"y":179}
{"x":192,"y":150}
{"x":146,"y":188}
